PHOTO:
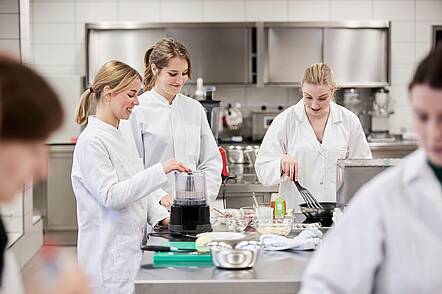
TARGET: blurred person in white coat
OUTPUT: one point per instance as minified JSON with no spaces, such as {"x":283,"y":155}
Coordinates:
{"x":305,"y":141}
{"x":111,"y":185}
{"x":389,"y":239}
{"x":170,"y":124}
{"x":30,"y":112}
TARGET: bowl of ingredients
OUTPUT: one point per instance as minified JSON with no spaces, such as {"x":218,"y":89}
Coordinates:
{"x":281,"y":227}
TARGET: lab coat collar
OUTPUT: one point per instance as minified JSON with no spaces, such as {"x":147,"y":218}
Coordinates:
{"x":416,"y":167}
{"x":417,"y":175}
{"x":95,"y":122}
{"x":162,"y":99}
{"x":335,"y":112}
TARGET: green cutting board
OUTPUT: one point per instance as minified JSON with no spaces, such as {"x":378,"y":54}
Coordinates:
{"x":181,"y":259}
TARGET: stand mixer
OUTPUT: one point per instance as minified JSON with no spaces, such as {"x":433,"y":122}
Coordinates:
{"x":382,"y":109}
{"x":190,"y":213}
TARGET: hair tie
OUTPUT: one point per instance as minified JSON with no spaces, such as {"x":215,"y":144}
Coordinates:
{"x":91,"y":90}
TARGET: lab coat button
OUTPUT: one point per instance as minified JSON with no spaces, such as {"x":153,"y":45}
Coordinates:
{"x":322,"y":183}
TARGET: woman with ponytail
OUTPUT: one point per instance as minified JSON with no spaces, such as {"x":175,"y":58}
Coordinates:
{"x":111,"y":184}
{"x":170,"y":124}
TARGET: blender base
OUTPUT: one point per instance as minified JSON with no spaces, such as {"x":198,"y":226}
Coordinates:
{"x":190,"y":219}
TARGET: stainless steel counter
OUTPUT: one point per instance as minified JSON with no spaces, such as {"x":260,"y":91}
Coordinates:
{"x":274,"y":272}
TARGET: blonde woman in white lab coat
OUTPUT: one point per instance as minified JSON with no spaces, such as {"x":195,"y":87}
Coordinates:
{"x":111,"y":184}
{"x":305,"y":141}
{"x":170,"y":124}
{"x":389,"y":239}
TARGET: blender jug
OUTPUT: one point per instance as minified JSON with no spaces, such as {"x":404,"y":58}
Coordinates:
{"x":190,"y":213}
{"x":190,"y":188}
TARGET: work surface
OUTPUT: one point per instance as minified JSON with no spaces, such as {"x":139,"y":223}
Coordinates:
{"x":275,"y":272}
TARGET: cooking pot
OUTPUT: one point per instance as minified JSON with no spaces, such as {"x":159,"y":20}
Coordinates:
{"x":242,"y":154}
{"x":236,"y":154}
{"x":323,"y":215}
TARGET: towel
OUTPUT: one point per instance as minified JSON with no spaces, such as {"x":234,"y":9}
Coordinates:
{"x":307,"y":240}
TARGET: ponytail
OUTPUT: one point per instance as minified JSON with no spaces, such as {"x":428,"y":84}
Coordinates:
{"x":84,"y":107}
{"x":149,"y":78}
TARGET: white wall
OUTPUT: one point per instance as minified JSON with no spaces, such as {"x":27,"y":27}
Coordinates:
{"x":58,"y":34}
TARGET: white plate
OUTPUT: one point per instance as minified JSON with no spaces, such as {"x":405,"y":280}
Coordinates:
{"x":222,"y":236}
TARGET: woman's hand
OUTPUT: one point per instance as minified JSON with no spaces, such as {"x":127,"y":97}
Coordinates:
{"x":165,"y":222}
{"x":172,"y":164}
{"x":289,"y":167}
{"x":166,"y":201}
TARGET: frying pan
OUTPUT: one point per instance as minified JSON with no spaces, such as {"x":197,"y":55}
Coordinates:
{"x":324,"y":213}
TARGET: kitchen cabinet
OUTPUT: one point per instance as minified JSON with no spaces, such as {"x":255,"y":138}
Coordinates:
{"x":221,"y":53}
{"x":357,"y":56}
{"x":254,"y":53}
{"x":357,"y":51}
{"x":288,"y":51}
{"x":55,"y":199}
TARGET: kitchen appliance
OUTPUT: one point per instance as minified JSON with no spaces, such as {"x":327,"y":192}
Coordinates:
{"x":225,"y":172}
{"x":351,"y":174}
{"x":212,"y":109}
{"x":232,"y":122}
{"x":359,"y":101}
{"x":261,"y":121}
{"x":189,"y":212}
{"x":382,"y":109}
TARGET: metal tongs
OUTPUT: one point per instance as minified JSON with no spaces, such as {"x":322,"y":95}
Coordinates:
{"x":309,"y":199}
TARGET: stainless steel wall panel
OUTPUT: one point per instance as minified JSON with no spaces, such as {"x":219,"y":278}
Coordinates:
{"x":289,"y":51}
{"x":357,"y":56}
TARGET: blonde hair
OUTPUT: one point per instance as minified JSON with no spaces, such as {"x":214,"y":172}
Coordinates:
{"x":115,"y":74}
{"x":160,"y":54}
{"x":319,"y":74}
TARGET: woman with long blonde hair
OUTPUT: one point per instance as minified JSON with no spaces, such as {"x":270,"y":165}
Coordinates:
{"x":111,"y":184}
{"x":170,"y":124}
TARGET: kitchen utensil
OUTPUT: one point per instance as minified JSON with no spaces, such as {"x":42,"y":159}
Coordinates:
{"x":190,"y":213}
{"x":325,"y":213}
{"x":242,"y":257}
{"x":309,"y":199}
{"x":161,"y":248}
{"x":255,"y":200}
{"x":219,"y":211}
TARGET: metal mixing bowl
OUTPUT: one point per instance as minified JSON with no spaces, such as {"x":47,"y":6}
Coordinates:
{"x":242,"y":257}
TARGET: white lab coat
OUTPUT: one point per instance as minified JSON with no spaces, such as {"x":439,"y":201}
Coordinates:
{"x":389,"y":239}
{"x":11,"y":280}
{"x":111,"y":185}
{"x":291,"y":133}
{"x":181,"y":131}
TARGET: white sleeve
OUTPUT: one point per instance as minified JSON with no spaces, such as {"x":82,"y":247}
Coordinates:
{"x":351,"y":254}
{"x":209,"y":160}
{"x":273,"y":146}
{"x":100,"y":178}
{"x":155,"y":211}
{"x":358,"y":147}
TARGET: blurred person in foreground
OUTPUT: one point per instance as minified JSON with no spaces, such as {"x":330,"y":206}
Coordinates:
{"x":390,"y":238}
{"x":30,"y":113}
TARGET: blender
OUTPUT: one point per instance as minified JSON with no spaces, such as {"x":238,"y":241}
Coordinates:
{"x":190,"y":213}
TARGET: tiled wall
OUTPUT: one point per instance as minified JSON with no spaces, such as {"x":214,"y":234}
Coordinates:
{"x":58,"y":35}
